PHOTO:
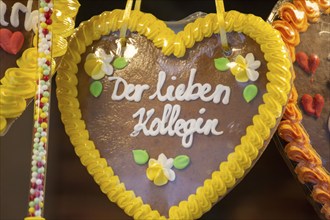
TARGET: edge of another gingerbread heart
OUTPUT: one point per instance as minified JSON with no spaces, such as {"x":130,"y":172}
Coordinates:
{"x":237,"y":163}
{"x":18,"y":86}
{"x":298,"y":147}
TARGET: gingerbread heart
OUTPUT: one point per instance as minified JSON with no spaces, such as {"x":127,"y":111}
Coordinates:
{"x":164,"y":127}
{"x":18,"y":54}
{"x":11,"y":42}
{"x":306,"y":139}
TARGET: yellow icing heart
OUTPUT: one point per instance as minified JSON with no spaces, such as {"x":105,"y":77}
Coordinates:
{"x":170,"y":43}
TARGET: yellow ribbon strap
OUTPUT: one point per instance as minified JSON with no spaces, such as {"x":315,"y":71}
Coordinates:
{"x":137,"y":5}
{"x":127,"y":13}
{"x":220,"y":13}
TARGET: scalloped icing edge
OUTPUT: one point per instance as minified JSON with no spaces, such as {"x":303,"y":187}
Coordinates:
{"x":62,"y":28}
{"x":237,"y":163}
{"x":299,"y":149}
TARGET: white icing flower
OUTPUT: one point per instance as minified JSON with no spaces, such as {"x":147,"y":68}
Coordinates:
{"x":245,"y":69}
{"x":98,"y":64}
{"x":159,"y":171}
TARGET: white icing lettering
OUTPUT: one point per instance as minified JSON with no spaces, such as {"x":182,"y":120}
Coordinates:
{"x":193,"y":91}
{"x":31,"y":17}
{"x":14,"y":16}
{"x":202,"y":111}
{"x":171,"y":124}
{"x":3,"y":9}
{"x":142,"y":125}
{"x":130,"y":92}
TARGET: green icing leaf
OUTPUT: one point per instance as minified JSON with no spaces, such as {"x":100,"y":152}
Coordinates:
{"x":181,"y":162}
{"x":250,"y":92}
{"x":221,"y":63}
{"x":120,"y":63}
{"x":96,"y":88}
{"x":140,"y":156}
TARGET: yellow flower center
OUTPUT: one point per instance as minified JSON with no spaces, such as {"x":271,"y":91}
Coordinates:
{"x":93,"y":67}
{"x":239,"y":70}
{"x":156,"y":174}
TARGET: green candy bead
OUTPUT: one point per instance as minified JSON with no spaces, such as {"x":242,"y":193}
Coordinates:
{"x":46,"y":94}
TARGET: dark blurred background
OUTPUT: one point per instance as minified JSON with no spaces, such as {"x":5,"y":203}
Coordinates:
{"x":269,"y":191}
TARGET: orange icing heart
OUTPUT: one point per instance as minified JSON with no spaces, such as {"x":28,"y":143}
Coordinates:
{"x":16,"y":42}
{"x":11,"y":42}
{"x":313,"y":63}
{"x":302,"y":60}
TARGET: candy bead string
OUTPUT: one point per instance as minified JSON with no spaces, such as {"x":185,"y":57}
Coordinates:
{"x":41,"y":112}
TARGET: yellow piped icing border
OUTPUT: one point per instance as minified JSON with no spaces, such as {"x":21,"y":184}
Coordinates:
{"x":19,"y":83}
{"x":298,"y":148}
{"x":237,"y":163}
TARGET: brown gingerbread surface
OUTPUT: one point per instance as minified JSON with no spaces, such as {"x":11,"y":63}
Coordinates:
{"x":110,"y":122}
